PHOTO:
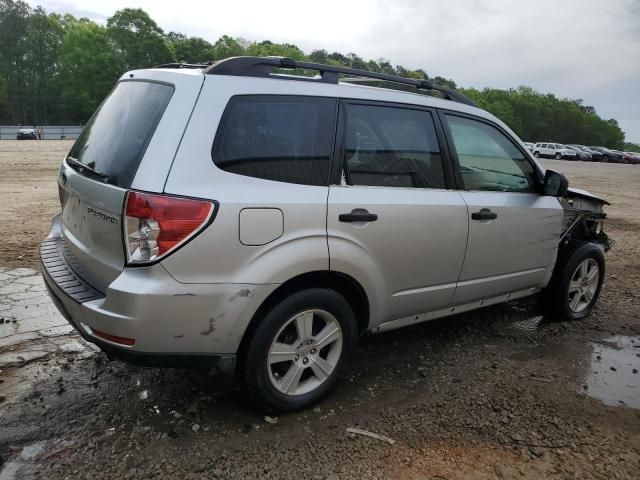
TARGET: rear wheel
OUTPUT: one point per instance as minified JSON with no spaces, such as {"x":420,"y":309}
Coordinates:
{"x":558,"y":156}
{"x":536,"y":154}
{"x":299,"y":350}
{"x":576,"y":282}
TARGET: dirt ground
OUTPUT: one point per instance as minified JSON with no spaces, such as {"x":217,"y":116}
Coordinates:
{"x":497,"y":393}
{"x":28,"y":196}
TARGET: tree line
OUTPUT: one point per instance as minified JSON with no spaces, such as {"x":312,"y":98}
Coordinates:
{"x":56,"y":69}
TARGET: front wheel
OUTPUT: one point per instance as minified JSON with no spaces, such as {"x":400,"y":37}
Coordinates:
{"x":558,"y":156}
{"x":576,"y":282}
{"x":299,"y":350}
{"x":536,"y":154}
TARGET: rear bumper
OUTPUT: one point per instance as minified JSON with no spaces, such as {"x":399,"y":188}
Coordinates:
{"x":172,"y":324}
{"x":223,"y":364}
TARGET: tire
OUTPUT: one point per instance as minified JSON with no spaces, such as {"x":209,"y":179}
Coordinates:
{"x":605,"y":159}
{"x":536,"y":154}
{"x":558,"y":156}
{"x":278,"y":336}
{"x":559,"y":297}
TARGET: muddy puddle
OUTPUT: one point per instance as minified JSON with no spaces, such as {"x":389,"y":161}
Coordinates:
{"x":614,"y":371}
{"x":523,"y":326}
{"x":517,"y":318}
{"x":29,"y":454}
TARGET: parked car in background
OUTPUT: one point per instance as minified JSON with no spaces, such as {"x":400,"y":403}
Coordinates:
{"x":634,"y":157}
{"x":596,"y":156}
{"x":27,"y":134}
{"x":554,"y":150}
{"x":583,"y":155}
{"x":608,"y":155}
{"x":530,"y":146}
{"x":627,"y":157}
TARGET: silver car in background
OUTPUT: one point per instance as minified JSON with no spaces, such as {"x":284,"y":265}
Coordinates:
{"x":232,"y":218}
{"x":583,"y":154}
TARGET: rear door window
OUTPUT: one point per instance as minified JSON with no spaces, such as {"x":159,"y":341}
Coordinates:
{"x":114,"y":140}
{"x":277,"y":137}
{"x":392,"y":147}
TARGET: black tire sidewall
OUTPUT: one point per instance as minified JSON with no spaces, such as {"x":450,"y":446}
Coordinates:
{"x":255,"y":377}
{"x":557,"y":292}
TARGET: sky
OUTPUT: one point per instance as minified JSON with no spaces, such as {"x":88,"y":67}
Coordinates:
{"x":588,"y":49}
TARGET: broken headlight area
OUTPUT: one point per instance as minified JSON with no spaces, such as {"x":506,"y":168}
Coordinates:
{"x":584,"y":218}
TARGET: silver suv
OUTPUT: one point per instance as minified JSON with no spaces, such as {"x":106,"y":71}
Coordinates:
{"x":241,"y":217}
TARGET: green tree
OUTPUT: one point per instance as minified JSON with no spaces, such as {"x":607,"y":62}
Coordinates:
{"x":544,"y":117}
{"x":267,"y":48}
{"x":319,"y":56}
{"x":140,"y":40}
{"x":90,"y":64}
{"x":227,"y":47}
{"x":45,"y":34}
{"x":191,"y":49}
{"x":338,"y":57}
{"x":55,"y":67}
{"x":13,"y":48}
{"x":631,"y":147}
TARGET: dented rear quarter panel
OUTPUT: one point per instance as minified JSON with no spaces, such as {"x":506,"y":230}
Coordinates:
{"x":164,"y":315}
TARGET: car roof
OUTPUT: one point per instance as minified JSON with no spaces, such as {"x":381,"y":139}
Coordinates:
{"x":282,"y":85}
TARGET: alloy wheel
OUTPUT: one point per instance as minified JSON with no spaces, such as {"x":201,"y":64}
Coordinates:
{"x":304,"y":352}
{"x":583,"y":285}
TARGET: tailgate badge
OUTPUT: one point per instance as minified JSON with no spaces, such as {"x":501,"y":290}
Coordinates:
{"x":102,"y":216}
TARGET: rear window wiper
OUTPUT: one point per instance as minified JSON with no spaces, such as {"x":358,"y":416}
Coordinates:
{"x":77,"y":163}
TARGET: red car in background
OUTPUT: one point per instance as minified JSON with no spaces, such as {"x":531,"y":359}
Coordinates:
{"x":631,"y":157}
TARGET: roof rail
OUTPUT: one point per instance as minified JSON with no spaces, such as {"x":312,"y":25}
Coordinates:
{"x":184,"y":65}
{"x":265,"y":66}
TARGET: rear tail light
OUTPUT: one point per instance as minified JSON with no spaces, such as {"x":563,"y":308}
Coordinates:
{"x":156,"y":225}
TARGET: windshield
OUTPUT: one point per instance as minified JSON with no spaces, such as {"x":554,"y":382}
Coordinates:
{"x":116,"y":137}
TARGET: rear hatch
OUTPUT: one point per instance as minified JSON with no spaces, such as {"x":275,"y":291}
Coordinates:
{"x":99,"y":170}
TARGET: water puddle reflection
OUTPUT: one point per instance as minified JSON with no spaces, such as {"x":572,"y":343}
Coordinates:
{"x":519,"y":318}
{"x":614,"y":372}
{"x":528,"y":325}
{"x":29,"y":454}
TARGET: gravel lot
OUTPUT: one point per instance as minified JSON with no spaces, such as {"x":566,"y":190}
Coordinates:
{"x":496,"y":393}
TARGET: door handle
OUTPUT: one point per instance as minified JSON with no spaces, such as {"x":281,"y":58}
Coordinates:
{"x":484,"y":214}
{"x":358,"y":215}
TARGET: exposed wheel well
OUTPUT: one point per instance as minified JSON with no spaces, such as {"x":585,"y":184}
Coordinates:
{"x":341,"y":283}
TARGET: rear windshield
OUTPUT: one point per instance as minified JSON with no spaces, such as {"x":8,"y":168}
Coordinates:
{"x":116,"y":137}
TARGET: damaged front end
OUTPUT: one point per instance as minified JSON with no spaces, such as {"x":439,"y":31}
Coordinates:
{"x":583,"y":219}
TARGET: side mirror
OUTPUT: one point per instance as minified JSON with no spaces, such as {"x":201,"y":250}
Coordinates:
{"x":555,"y":184}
